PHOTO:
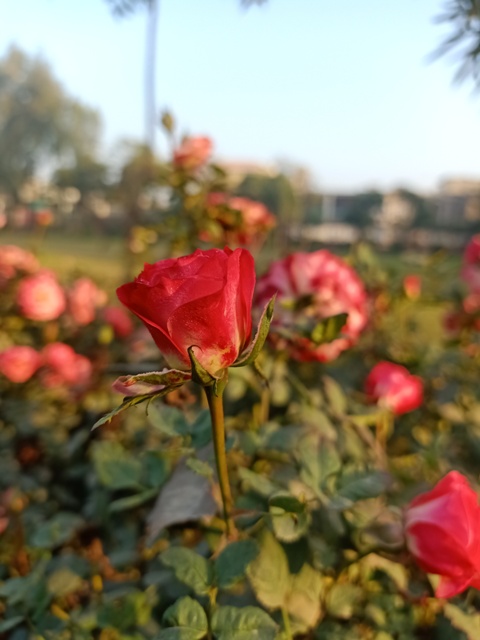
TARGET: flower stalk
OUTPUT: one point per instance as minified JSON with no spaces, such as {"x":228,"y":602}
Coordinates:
{"x":215,"y":405}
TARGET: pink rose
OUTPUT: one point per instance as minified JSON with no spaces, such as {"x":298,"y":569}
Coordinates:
{"x":83,"y":299}
{"x":311,"y":287}
{"x":442,"y":529}
{"x":118,"y":319}
{"x":471,"y":264}
{"x":18,"y":364}
{"x":40,"y":297}
{"x":192,"y":153}
{"x":242,"y":220}
{"x":13,"y":259}
{"x":412,"y":286}
{"x":62,"y":366}
{"x":202,"y":300}
{"x":394,"y":387}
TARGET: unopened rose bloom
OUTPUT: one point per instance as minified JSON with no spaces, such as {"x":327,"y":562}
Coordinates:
{"x":394,"y":387}
{"x":18,"y":363}
{"x":311,"y":287}
{"x":83,"y":299}
{"x":412,"y":286}
{"x":63,"y":366}
{"x":118,"y":319}
{"x":40,"y":297}
{"x":253,"y":219}
{"x":442,"y":530}
{"x":471,"y":264}
{"x":192,"y":153}
{"x":202,"y":300}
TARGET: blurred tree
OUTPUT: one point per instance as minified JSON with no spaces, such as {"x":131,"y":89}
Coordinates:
{"x":40,"y":125}
{"x":464,"y":41}
{"x":86,"y":175}
{"x":360,"y":209}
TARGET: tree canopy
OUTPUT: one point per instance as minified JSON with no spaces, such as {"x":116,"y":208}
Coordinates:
{"x":40,"y":124}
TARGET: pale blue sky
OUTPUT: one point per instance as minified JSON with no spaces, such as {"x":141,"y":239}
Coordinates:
{"x":342,"y":88}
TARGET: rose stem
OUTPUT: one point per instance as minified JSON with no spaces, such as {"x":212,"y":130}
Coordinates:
{"x":215,"y":404}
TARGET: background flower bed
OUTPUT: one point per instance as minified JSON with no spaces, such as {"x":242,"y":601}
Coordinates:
{"x":115,"y":533}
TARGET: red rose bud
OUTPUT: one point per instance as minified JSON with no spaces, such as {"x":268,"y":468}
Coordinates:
{"x":394,"y":387}
{"x":311,"y":287}
{"x":412,"y":286}
{"x":442,"y":529}
{"x":193,"y":153}
{"x":202,"y":300}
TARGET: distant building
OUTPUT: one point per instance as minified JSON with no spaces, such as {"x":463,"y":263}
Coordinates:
{"x":458,"y":203}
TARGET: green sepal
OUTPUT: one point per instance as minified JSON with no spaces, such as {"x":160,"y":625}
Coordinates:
{"x":133,"y":401}
{"x":200,"y":375}
{"x":251,"y":353}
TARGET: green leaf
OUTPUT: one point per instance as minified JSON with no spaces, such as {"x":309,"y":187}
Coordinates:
{"x":319,"y":459}
{"x":246,"y":623}
{"x":251,"y":353}
{"x":115,"y":467}
{"x":289,"y":527}
{"x":342,"y":600}
{"x":334,"y":395}
{"x":287,"y":502}
{"x":201,"y":468}
{"x":168,"y":420}
{"x":179,"y":633}
{"x":190,"y":568}
{"x":360,"y":486}
{"x":156,"y":469}
{"x":62,"y":582}
{"x":467,"y":622}
{"x":131,"y":502}
{"x":304,"y":600}
{"x":257,"y":483}
{"x":9,"y":623}
{"x":187,"y":618}
{"x":231,"y":565}
{"x":269,"y":573}
{"x":57,"y":530}
{"x":328,"y":329}
{"x":132,"y":402}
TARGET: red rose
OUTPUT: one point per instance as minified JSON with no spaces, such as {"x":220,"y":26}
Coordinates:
{"x":471,"y":264}
{"x":202,"y":300}
{"x":83,"y":299}
{"x":394,"y":387}
{"x":192,"y":153}
{"x":442,"y":529}
{"x":119,"y":320}
{"x":18,"y":364}
{"x":63,"y":366}
{"x":311,"y":287}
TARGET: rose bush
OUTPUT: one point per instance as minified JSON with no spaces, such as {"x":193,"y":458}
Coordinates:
{"x":202,"y":300}
{"x":311,"y":287}
{"x":394,"y":387}
{"x":442,"y":529}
